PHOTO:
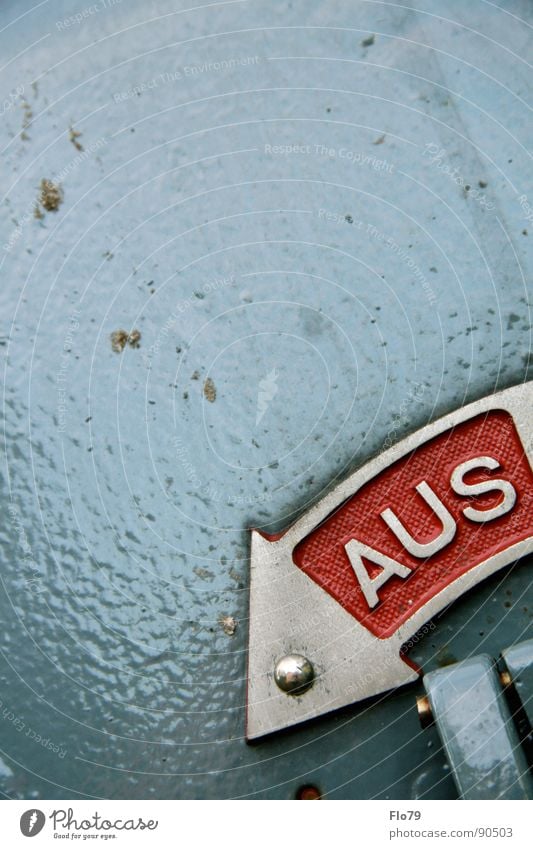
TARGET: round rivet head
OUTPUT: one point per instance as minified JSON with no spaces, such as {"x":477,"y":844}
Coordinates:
{"x":294,"y":674}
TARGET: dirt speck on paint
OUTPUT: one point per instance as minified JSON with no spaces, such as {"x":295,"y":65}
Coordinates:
{"x":134,"y":339}
{"x":26,"y":120}
{"x":210,"y":391}
{"x":202,"y":573}
{"x":51,"y":195}
{"x":229,"y":625}
{"x":121,"y":338}
{"x":235,"y":575}
{"x":73,"y":136}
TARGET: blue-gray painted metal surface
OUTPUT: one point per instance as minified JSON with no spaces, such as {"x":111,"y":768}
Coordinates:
{"x":323,"y":207}
{"x":477,"y":730}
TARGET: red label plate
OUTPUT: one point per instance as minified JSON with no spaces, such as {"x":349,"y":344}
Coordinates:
{"x":322,"y":554}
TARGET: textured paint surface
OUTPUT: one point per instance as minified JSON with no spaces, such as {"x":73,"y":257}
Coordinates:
{"x":282,"y":210}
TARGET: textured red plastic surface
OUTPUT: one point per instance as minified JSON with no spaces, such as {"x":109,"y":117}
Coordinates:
{"x":322,"y":556}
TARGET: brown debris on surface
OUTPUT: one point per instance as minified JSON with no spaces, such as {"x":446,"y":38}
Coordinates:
{"x":51,"y":196}
{"x":229,"y":625}
{"x":27,"y":119}
{"x":210,"y":391}
{"x":134,"y":339}
{"x":121,"y":338}
{"x":73,"y":136}
{"x":202,"y":573}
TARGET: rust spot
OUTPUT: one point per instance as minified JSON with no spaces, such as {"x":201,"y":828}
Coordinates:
{"x":308,"y":791}
{"x":210,"y":391}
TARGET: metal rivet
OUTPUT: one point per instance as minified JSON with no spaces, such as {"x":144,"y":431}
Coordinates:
{"x":294,"y":674}
{"x":308,"y":791}
{"x":424,"y":711}
{"x":505,"y":679}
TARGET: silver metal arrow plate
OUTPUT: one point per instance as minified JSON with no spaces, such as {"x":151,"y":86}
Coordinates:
{"x":400,"y":539}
